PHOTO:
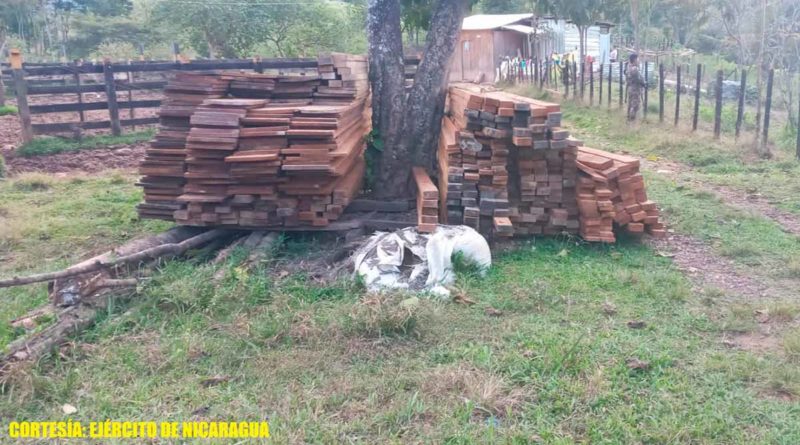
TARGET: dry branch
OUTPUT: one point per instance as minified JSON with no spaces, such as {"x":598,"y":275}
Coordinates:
{"x":107,"y":261}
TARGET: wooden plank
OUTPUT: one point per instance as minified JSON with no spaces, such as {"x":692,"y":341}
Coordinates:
{"x":91,"y":125}
{"x":88,"y":106}
{"x":93,"y":88}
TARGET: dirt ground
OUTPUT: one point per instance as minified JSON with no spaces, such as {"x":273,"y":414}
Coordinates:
{"x":10,"y":129}
{"x":89,"y":161}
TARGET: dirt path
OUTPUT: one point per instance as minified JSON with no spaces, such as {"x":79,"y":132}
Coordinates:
{"x":752,"y":203}
{"x":89,"y":161}
{"x":707,"y":270}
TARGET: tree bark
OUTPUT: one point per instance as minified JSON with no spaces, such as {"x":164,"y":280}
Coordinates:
{"x":425,"y":106}
{"x":387,"y":77}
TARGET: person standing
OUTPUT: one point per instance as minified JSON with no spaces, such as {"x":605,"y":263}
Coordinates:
{"x":635,"y":83}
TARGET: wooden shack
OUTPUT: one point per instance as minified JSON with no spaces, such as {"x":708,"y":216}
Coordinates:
{"x":486,"y":39}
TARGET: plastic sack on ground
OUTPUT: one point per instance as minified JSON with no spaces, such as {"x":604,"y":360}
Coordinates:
{"x":407,"y":259}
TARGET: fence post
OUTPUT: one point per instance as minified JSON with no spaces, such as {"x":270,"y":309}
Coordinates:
{"x":77,"y":78}
{"x":742,"y":96}
{"x":111,"y":98}
{"x":661,"y":92}
{"x":646,"y":88}
{"x":600,"y":95}
{"x":718,"y":106}
{"x":797,"y":149}
{"x":610,"y":68}
{"x":565,"y":75}
{"x":678,"y":97}
{"x":697,"y":85}
{"x":768,"y":105}
{"x":574,"y":79}
{"x":591,"y":83}
{"x":21,"y":91}
{"x":583,"y":78}
{"x":621,"y":87}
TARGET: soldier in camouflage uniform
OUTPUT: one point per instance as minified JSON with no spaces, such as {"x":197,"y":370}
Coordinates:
{"x":636,"y":84}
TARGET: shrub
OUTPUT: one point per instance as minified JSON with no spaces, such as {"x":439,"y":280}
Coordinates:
{"x":8,"y":109}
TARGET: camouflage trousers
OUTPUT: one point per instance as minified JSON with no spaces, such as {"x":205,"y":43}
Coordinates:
{"x":634,"y":103}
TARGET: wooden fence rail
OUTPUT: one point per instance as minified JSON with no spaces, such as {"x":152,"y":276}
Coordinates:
{"x":27,"y":80}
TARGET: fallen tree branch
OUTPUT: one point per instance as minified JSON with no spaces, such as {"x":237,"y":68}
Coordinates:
{"x":107,"y":261}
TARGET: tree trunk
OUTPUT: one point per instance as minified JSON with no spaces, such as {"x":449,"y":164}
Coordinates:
{"x":425,"y":107}
{"x":386,"y":74}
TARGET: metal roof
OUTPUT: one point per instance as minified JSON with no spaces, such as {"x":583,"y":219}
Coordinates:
{"x":520,"y":28}
{"x":492,"y":21}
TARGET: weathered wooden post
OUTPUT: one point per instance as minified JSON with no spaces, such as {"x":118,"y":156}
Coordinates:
{"x":646,"y":88}
{"x":600,"y":95}
{"x":77,"y":77}
{"x":565,"y":75}
{"x":591,"y":83}
{"x":610,"y":68}
{"x":768,"y":105}
{"x":718,"y":106}
{"x":111,"y":98}
{"x":621,"y":85}
{"x":583,"y":79}
{"x":661,"y":92}
{"x":21,"y":91}
{"x":697,"y":85}
{"x":574,"y":79}
{"x":797,"y":149}
{"x":742,"y":97}
{"x":678,"y":96}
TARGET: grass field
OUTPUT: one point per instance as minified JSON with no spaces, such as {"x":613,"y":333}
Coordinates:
{"x":47,"y":145}
{"x":552,"y":351}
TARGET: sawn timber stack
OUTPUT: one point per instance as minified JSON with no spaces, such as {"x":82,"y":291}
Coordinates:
{"x":506,"y":167}
{"x":260,"y":150}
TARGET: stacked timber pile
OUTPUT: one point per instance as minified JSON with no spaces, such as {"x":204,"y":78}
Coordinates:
{"x":269,"y":150}
{"x":427,"y":201}
{"x":164,"y":164}
{"x":506,"y":166}
{"x":611,"y":191}
{"x":344,"y":78}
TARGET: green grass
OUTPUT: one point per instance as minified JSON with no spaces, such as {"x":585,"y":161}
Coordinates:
{"x":327,"y":363}
{"x":7,"y":110}
{"x":51,"y":145}
{"x":47,"y":222}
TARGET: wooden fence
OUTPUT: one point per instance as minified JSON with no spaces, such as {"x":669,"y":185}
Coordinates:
{"x":59,"y":79}
{"x":593,"y":84}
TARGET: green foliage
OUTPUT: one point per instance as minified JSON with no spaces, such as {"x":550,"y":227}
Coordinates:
{"x":2,"y":167}
{"x":6,"y":110}
{"x":51,"y":145}
{"x":285,"y":30}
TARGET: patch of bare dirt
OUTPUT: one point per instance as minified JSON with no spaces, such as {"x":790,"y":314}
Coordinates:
{"x":11,"y":131}
{"x":706,"y":269}
{"x":756,"y":342}
{"x":758,"y":204}
{"x":753,"y":203}
{"x":89,"y":161}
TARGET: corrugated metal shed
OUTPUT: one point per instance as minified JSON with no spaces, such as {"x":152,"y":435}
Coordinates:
{"x":492,"y":21}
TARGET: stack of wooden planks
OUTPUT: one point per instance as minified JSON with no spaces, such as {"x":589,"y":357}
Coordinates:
{"x":268,"y":150}
{"x":165,"y":161}
{"x":611,"y":192}
{"x":427,"y":201}
{"x":507,"y":165}
{"x":344,"y":78}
